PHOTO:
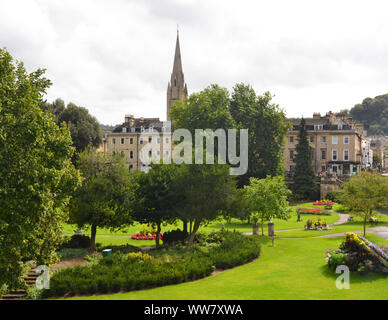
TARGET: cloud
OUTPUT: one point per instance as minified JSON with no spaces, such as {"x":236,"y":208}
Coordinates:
{"x":115,"y":57}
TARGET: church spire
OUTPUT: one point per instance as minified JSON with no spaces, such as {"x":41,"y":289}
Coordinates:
{"x":177,"y":89}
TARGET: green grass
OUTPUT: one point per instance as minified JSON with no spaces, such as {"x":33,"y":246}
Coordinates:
{"x":292,"y":269}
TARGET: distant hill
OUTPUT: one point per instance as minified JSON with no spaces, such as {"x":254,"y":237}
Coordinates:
{"x":373,"y":113}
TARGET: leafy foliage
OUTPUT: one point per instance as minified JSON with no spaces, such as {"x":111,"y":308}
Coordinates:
{"x":36,"y":174}
{"x":373,"y":113}
{"x":267,"y":199}
{"x":105,"y":196}
{"x":304,"y":180}
{"x":364,"y":193}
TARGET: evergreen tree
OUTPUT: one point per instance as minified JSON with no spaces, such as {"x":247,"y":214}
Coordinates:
{"x":304,"y":184}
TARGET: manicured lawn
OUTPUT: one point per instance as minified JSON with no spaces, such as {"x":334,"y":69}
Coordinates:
{"x":293,"y":269}
{"x":234,"y":224}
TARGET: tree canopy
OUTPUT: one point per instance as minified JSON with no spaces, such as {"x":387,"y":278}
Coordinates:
{"x":84,"y":128}
{"x":364,"y":193}
{"x":303,"y":179}
{"x":105,"y":198}
{"x":267,"y":199}
{"x":373,"y":113}
{"x":36,"y":173}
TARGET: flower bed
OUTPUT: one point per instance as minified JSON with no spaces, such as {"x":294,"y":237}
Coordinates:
{"x":323,"y":203}
{"x":312,"y":211}
{"x":359,"y":254}
{"x":145,"y":236}
{"x":317,"y":225}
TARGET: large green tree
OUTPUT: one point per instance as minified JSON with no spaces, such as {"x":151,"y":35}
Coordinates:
{"x":304,"y":184}
{"x":267,"y":199}
{"x":266,"y":126}
{"x":202,"y":193}
{"x":36,"y":173}
{"x":364,"y":193}
{"x":105,"y":197}
{"x":154,"y":199}
{"x":84,"y":128}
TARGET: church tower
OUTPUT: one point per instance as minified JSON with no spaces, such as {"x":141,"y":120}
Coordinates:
{"x":177,"y":88}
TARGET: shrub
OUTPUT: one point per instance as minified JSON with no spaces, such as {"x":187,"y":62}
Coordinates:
{"x":77,"y":241}
{"x":335,"y":260}
{"x":138,"y":270}
{"x":174,"y":236}
{"x":68,"y":253}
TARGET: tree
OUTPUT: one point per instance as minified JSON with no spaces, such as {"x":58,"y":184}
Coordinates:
{"x":266,"y":126}
{"x":105,"y":197}
{"x":364,"y":193}
{"x":373,"y":113}
{"x":36,"y":173}
{"x":84,"y":128}
{"x":303,"y":180}
{"x":267,"y":199}
{"x":202,"y":193}
{"x":153,"y":197}
{"x":207,"y":109}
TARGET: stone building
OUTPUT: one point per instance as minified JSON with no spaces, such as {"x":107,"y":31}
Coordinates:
{"x":140,"y":140}
{"x":336,"y":143}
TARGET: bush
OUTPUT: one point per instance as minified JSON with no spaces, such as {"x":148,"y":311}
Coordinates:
{"x":335,"y":260}
{"x":171,"y":265}
{"x":77,"y":241}
{"x":174,"y":236}
{"x":68,"y":253}
{"x":334,"y":196}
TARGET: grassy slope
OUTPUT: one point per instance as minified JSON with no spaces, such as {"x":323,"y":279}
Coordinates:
{"x":293,"y":269}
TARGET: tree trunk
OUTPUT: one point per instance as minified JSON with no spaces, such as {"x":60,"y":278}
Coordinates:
{"x":191,"y":226}
{"x":157,"y":235}
{"x":262,"y":226}
{"x":93,"y":238}
{"x":185,"y":225}
{"x":192,"y":234}
{"x":249,"y":220}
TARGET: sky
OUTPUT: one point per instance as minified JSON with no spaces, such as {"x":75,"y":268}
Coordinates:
{"x":115,"y":57}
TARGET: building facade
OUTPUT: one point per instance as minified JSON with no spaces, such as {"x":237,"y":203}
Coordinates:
{"x":336,"y":143}
{"x":142,"y":140}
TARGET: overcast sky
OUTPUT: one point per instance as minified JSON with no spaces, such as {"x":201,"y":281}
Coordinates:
{"x":115,"y":57}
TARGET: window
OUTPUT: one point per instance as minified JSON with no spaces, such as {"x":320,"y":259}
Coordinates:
{"x":132,"y":129}
{"x":131,"y":140}
{"x":122,"y":140}
{"x":158,"y":152}
{"x":334,"y":155}
{"x":323,"y":168}
{"x":346,"y":139}
{"x":311,"y":139}
{"x":167,"y":140}
{"x":340,"y":126}
{"x":323,"y":154}
{"x":150,"y":153}
{"x":142,"y":129}
{"x":334,"y":139}
{"x":131,"y":154}
{"x":130,"y":166}
{"x":113,"y":141}
{"x":318,"y":127}
{"x":141,"y":140}
{"x":158,"y":140}
{"x":291,"y":139}
{"x":149,"y":139}
{"x":166,"y":152}
{"x":124,"y":129}
{"x":346,"y":155}
{"x":291,"y":155}
{"x":323,"y":138}
{"x":291,"y":167}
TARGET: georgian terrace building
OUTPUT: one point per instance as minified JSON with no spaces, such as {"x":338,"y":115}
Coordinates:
{"x":336,"y":141}
{"x":137,"y":136}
